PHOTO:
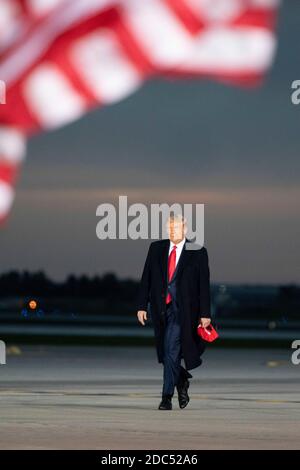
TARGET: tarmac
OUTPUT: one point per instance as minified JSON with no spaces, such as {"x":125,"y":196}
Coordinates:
{"x":107,"y":397}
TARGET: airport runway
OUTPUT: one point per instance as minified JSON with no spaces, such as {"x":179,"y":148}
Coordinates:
{"x":107,"y":398}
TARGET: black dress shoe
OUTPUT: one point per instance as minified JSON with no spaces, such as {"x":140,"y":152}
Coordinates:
{"x":166,"y":403}
{"x":182,"y":389}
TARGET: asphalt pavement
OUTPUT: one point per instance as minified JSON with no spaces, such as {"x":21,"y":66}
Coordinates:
{"x":107,"y":398}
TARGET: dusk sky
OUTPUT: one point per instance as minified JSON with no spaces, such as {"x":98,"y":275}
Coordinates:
{"x":235,"y":150}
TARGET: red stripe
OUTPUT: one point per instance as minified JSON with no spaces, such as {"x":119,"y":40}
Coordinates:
{"x":59,"y":51}
{"x":132,"y":48}
{"x":259,"y":17}
{"x":23,"y":5}
{"x":16,"y":112}
{"x":240,"y":78}
{"x":8,"y":173}
{"x":3,"y":220}
{"x":186,"y":16}
{"x":112,"y":19}
{"x":30,"y":24}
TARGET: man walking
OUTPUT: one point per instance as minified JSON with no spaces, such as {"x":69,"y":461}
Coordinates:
{"x":175,"y":288}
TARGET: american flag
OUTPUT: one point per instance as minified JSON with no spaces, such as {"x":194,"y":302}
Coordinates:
{"x":61,"y":58}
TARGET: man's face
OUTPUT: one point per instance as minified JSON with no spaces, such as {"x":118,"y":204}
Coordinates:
{"x":176,"y":230}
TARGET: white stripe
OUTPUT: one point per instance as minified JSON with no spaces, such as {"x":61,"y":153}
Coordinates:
{"x":51,"y":98}
{"x":226,"y":10}
{"x":162,"y":36}
{"x":217,"y":10}
{"x":42,"y":7}
{"x":238,"y":49}
{"x":36,"y":44}
{"x":12,"y":145}
{"x":6,"y":198}
{"x":103,"y":65}
{"x":11,"y":23}
{"x":8,"y":13}
{"x":160,"y":33}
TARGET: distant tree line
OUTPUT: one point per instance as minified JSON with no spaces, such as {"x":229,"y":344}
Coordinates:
{"x":108,"y":293}
{"x":26,"y":284}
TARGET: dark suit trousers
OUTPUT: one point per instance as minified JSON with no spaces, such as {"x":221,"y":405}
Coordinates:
{"x":173,"y":372}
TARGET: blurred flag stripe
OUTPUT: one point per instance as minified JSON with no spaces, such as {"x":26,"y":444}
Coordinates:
{"x":44,"y":31}
{"x":51,"y":97}
{"x":60,"y":58}
{"x":163,"y":38}
{"x":218,"y":50}
{"x":6,"y":199}
{"x":12,"y":145}
{"x":189,"y":18}
{"x":8,"y":172}
{"x":100,"y":77}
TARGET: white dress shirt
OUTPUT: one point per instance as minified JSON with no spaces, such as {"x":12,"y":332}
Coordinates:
{"x":178,"y":249}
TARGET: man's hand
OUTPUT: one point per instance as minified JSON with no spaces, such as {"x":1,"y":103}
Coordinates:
{"x":142,"y":316}
{"x":204,"y":322}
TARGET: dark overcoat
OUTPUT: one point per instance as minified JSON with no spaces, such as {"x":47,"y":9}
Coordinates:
{"x":192,"y":278}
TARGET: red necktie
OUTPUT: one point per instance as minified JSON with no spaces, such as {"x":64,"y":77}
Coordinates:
{"x":171,"y":269}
